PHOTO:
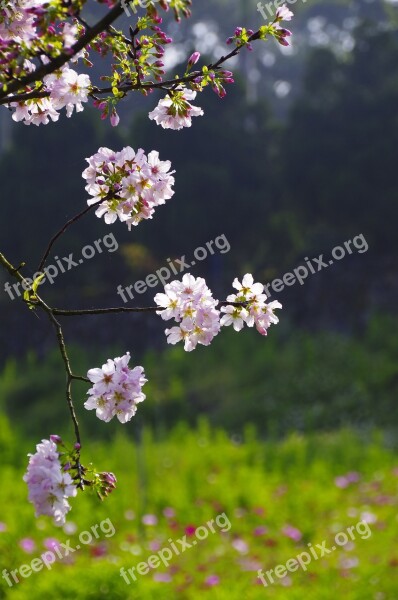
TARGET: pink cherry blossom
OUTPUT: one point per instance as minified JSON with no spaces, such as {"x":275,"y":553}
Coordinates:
{"x":283,"y":14}
{"x":117,"y":389}
{"x":49,"y":486}
{"x":175,"y":111}
{"x":130,"y":184}
{"x":191,"y":304}
{"x":254,"y":309}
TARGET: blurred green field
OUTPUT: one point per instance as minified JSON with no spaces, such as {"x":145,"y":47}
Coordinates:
{"x":277,"y":496}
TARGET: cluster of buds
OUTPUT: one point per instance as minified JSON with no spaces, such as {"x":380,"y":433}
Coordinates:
{"x":107,"y":484}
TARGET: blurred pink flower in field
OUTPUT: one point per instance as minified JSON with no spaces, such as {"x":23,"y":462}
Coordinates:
{"x":98,"y":550}
{"x":70,"y":527}
{"x":260,"y":530}
{"x":258,"y":510}
{"x":51,"y":543}
{"x":129,"y":515}
{"x":3,"y":527}
{"x":163,"y":577}
{"x":169,"y":512}
{"x":270,"y":542}
{"x":240,"y":546}
{"x":395,"y":471}
{"x":343,"y":481}
{"x":240,"y":513}
{"x":248,"y":564}
{"x":154,"y":545}
{"x":281,"y":490}
{"x":28,"y":545}
{"x":368,"y":517}
{"x":349,"y":563}
{"x":292,"y":532}
{"x":384,"y":499}
{"x":190,"y":530}
{"x":150,"y":520}
{"x":212,"y":580}
{"x":286,"y":581}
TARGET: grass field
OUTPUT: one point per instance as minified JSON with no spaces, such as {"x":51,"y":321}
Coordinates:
{"x":268,"y":501}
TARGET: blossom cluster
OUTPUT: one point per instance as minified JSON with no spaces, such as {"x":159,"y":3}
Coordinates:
{"x":19,"y":20}
{"x":49,"y":485}
{"x":253,"y":309}
{"x":117,"y":389}
{"x":66,"y":88}
{"x":130,"y":184}
{"x":244,"y":37}
{"x":282,"y":14}
{"x":191,"y":304}
{"x":175,"y":111}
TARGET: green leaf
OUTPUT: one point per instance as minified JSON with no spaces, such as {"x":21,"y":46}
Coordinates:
{"x":30,"y":294}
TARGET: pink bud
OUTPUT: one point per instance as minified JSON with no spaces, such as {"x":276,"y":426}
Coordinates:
{"x":114,"y":118}
{"x":193,"y":59}
{"x":56,"y":439}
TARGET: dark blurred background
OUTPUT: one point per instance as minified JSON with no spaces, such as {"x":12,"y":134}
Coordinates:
{"x":300,"y":157}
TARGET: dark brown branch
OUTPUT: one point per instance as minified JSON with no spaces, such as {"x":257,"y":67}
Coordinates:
{"x":124,"y":309}
{"x":61,"y":343}
{"x":69,"y":374}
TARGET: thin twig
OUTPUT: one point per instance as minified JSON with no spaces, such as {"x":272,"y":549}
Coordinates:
{"x":62,"y":230}
{"x":65,"y":358}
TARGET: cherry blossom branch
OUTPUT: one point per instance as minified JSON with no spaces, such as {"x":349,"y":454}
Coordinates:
{"x":186,"y":79}
{"x":168,"y":84}
{"x":14,"y":272}
{"x":62,"y":59}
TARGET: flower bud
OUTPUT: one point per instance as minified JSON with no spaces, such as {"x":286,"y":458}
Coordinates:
{"x":114,"y":118}
{"x":193,"y":59}
{"x":56,"y":439}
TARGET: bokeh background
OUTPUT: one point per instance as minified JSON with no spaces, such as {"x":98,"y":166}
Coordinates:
{"x":293,"y":436}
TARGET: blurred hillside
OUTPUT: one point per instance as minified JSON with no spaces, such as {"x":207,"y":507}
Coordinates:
{"x":278,"y":190}
{"x":281,"y":185}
